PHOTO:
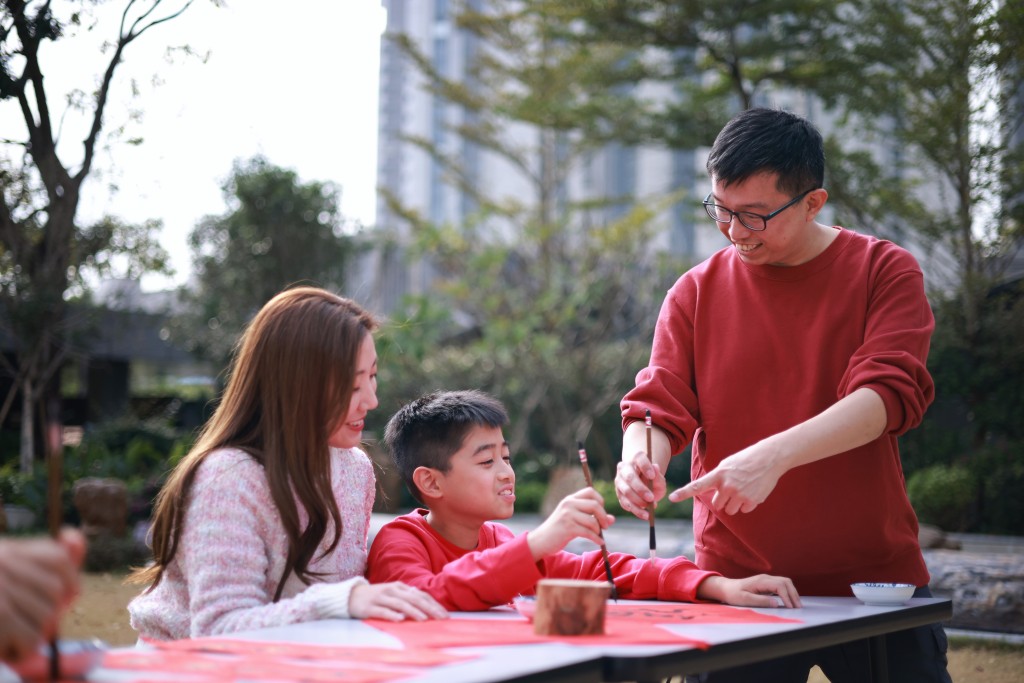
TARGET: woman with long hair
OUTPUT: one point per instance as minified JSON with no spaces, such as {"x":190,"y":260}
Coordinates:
{"x":265,"y":521}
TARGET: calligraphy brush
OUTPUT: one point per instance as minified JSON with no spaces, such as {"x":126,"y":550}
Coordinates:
{"x":604,"y":547}
{"x":54,"y":465}
{"x":654,"y":504}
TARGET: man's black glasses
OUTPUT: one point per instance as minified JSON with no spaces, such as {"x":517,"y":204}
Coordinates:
{"x":750,"y":220}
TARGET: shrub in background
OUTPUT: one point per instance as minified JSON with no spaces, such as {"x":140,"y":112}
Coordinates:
{"x":20,"y":491}
{"x":666,"y":509}
{"x":529,"y":495}
{"x":944,"y":495}
{"x":999,"y":472}
{"x":27,"y":490}
{"x":138,"y":452}
{"x":106,"y":552}
{"x":611,"y":501}
{"x":123,"y":448}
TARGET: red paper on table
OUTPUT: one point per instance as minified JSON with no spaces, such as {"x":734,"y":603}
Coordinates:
{"x":341,"y":672}
{"x":625,"y":624}
{"x":689,"y":613}
{"x":251,"y":668}
{"x":379,"y":655}
{"x":150,"y":661}
{"x":474,"y":632}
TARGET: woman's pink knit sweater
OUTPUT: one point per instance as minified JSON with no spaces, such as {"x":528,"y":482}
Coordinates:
{"x":233,"y":547}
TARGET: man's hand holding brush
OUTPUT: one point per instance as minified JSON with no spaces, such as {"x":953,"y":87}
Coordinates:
{"x":635,"y":470}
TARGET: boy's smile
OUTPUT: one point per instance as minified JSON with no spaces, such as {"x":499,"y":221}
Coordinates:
{"x":478,"y":487}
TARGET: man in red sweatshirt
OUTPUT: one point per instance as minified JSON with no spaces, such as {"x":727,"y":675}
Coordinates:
{"x":791,"y":360}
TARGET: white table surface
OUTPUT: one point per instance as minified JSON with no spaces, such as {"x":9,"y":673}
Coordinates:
{"x":822,"y":621}
{"x":547,"y":661}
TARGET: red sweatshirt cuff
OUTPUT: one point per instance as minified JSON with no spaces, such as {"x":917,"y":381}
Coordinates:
{"x":680,"y":580}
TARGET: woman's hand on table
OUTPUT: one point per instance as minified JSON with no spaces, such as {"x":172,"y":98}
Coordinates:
{"x":395,"y":601}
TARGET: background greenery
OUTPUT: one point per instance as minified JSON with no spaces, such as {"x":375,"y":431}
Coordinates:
{"x":540,"y":300}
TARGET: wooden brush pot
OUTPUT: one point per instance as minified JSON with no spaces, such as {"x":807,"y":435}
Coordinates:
{"x":570,"y":607}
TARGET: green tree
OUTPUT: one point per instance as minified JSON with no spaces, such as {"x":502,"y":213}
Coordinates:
{"x":712,"y":58}
{"x":943,"y":80}
{"x":44,"y":253}
{"x":581,"y":74}
{"x":277,"y":232}
{"x":935,"y":83}
{"x":559,"y":350}
{"x":544,"y":299}
{"x":710,"y":61}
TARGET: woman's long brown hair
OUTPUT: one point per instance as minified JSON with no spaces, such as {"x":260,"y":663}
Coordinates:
{"x":290,"y":384}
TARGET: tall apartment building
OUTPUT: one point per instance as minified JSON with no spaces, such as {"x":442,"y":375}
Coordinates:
{"x":406,"y":108}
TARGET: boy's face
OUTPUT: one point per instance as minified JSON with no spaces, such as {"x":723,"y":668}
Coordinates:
{"x":480,"y":484}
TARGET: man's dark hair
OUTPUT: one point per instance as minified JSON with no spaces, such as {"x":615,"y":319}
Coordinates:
{"x":430,"y":430}
{"x":764,"y":140}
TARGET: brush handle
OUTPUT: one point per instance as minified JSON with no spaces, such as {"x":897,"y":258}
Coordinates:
{"x":54,"y":467}
{"x":607,"y":564}
{"x":648,"y":428}
{"x":604,"y":547}
{"x":590,"y":483}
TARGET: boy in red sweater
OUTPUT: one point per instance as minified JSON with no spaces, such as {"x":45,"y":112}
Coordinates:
{"x":451,"y":453}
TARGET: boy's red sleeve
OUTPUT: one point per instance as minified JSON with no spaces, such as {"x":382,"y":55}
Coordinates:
{"x":476,"y":581}
{"x":674,"y":579}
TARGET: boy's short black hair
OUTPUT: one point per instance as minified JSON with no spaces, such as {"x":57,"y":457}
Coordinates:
{"x":762,"y":140}
{"x":430,"y":430}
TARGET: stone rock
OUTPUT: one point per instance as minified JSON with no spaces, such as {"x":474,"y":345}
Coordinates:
{"x":987,"y":588}
{"x":102,"y":505}
{"x":933,"y":537}
{"x":18,"y":518}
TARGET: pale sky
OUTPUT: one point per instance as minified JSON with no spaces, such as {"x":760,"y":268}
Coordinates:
{"x":295,"y":81}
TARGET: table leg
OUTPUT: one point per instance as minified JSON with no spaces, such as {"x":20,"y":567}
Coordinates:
{"x":879,"y":665}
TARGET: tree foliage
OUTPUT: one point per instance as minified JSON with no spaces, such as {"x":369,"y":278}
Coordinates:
{"x":558,"y":343}
{"x":924,"y":95}
{"x":278,"y":231}
{"x":542,"y":298}
{"x":44,"y":253}
{"x":712,"y":59}
{"x":936,"y":84}
{"x":944,"y":79}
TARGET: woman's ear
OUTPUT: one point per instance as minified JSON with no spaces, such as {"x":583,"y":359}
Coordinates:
{"x":428,"y":481}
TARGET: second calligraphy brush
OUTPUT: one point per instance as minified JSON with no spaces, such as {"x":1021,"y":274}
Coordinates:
{"x":604,"y":547}
{"x":654,"y":504}
{"x":54,"y":465}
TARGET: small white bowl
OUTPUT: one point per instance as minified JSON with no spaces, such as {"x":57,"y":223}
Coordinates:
{"x":883,"y":593}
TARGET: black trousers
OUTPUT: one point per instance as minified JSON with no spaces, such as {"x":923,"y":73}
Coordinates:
{"x":916,"y":655}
